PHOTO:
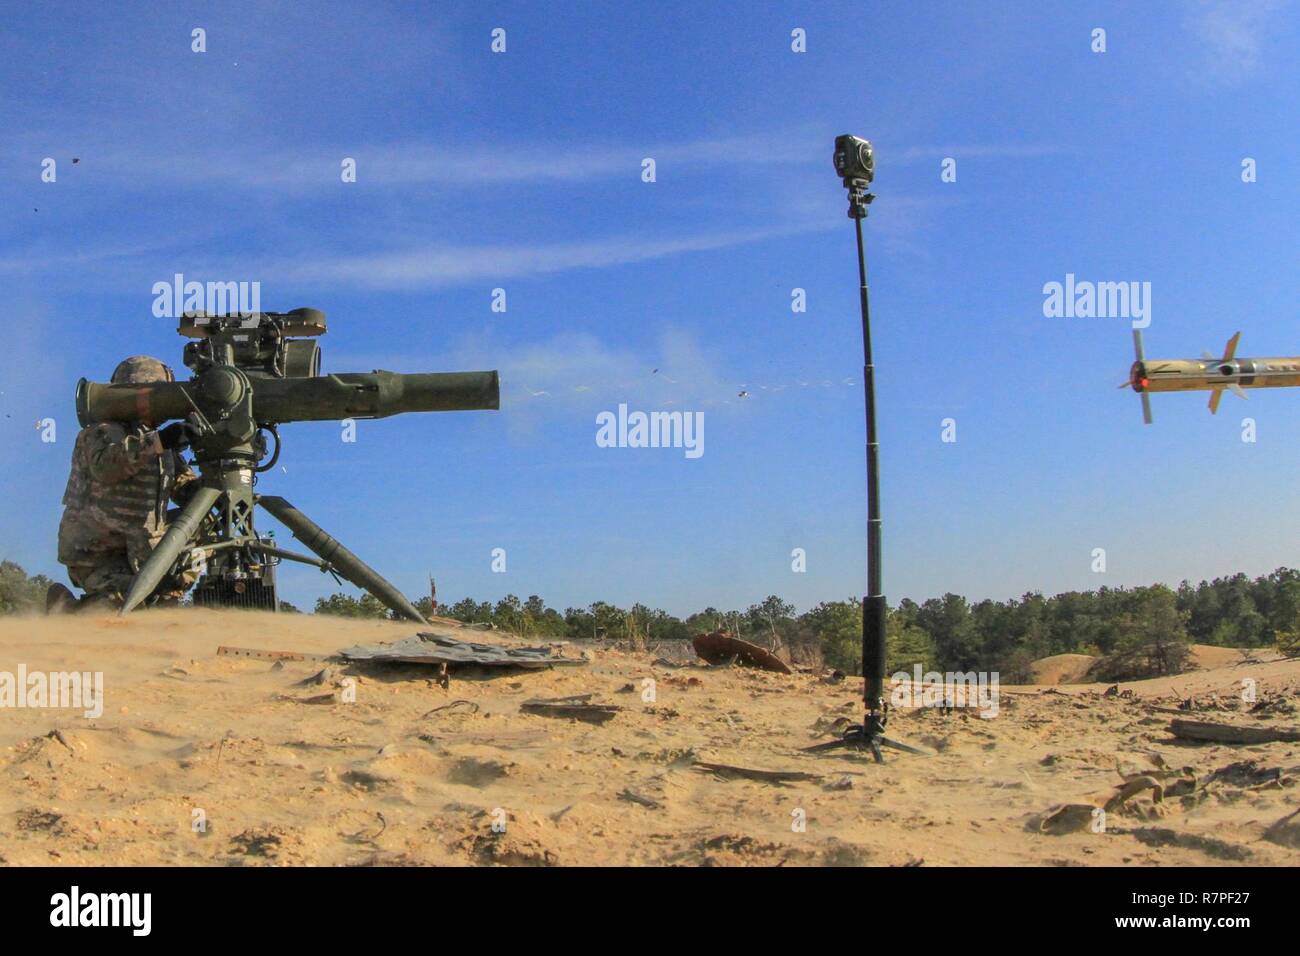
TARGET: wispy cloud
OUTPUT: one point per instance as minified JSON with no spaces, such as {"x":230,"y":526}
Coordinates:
{"x":414,"y":163}
{"x":975,"y":150}
{"x":1233,"y":34}
{"x":441,"y":264}
{"x":413,"y":267}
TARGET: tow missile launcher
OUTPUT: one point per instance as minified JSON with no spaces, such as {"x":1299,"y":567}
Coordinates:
{"x":251,"y":373}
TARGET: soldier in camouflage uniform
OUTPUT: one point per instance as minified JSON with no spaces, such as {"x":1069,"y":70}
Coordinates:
{"x":115,"y":505}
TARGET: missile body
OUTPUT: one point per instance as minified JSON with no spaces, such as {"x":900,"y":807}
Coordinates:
{"x":1194,"y":375}
{"x":1208,"y":374}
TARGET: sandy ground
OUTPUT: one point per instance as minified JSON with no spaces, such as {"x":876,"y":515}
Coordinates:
{"x":285,"y":774}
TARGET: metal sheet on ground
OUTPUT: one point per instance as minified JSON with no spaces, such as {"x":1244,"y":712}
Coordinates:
{"x":430,"y":648}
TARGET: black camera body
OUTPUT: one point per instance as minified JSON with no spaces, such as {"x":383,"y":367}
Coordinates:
{"x":854,"y":159}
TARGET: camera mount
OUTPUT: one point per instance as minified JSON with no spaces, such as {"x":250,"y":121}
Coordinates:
{"x":855,"y":164}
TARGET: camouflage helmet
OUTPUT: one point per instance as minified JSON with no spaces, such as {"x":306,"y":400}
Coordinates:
{"x":141,"y":370}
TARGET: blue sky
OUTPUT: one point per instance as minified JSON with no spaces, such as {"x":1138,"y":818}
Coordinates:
{"x":522,"y":170}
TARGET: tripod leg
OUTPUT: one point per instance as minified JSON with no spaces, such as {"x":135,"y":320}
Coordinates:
{"x":177,"y":538}
{"x":343,"y":560}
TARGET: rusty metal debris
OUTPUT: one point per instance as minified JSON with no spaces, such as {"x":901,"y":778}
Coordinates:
{"x":430,"y":648}
{"x":228,"y":651}
{"x":723,"y":648}
{"x":577,"y":707}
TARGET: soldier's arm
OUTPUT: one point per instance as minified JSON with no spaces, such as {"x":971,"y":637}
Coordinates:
{"x":184,"y":484}
{"x":116,"y":454}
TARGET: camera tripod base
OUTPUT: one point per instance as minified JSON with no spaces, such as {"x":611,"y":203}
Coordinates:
{"x":868,"y":735}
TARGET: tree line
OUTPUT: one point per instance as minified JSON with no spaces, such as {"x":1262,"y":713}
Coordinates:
{"x":1137,"y":631}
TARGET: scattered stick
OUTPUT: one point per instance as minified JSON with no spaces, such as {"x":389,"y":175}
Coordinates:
{"x":1207,"y":731}
{"x":455,"y":703}
{"x":748,"y":773}
{"x":317,"y":699}
{"x":647,"y":802}
{"x":577,"y":707}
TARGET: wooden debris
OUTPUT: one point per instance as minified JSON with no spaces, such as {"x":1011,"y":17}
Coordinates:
{"x":317,"y":699}
{"x":727,"y":771}
{"x":1285,"y":832}
{"x":1210,"y":732}
{"x":454,"y":705}
{"x":647,"y":802}
{"x":1073,"y":817}
{"x":1249,"y":775}
{"x":577,"y":707}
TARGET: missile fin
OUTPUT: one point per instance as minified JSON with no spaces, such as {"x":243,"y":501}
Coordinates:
{"x":1137,"y":345}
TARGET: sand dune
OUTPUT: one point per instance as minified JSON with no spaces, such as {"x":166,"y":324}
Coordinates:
{"x":1062,"y":669}
{"x":286,"y":772}
{"x":1076,"y":668}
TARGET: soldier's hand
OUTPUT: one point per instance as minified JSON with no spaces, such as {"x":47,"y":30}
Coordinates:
{"x":177,"y":435}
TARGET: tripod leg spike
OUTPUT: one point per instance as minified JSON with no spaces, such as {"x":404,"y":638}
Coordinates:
{"x":344,"y":561}
{"x":175,"y":541}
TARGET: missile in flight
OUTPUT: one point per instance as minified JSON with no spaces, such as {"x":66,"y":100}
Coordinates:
{"x":1215,"y":375}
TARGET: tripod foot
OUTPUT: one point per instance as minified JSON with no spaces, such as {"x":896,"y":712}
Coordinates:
{"x":868,"y":735}
{"x":178,"y":537}
{"x":338,"y":557}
